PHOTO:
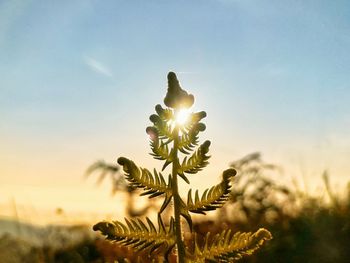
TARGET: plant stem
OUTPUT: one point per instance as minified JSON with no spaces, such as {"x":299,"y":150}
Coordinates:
{"x":177,"y":201}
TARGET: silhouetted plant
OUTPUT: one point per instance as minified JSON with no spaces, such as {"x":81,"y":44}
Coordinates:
{"x":175,"y":130}
{"x":256,"y":194}
{"x":113,"y":170}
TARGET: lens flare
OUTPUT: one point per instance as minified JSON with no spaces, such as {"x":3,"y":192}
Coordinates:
{"x":182,"y":116}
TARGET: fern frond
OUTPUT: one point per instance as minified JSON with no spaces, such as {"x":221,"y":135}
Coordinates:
{"x":194,"y":119}
{"x":163,"y":127}
{"x":212,"y":198}
{"x":197,"y":161}
{"x":104,"y":169}
{"x":188,"y":140}
{"x":142,"y":178}
{"x":136,"y":234}
{"x":160,"y":150}
{"x":103,"y":166}
{"x":165,"y":114}
{"x":226,"y":247}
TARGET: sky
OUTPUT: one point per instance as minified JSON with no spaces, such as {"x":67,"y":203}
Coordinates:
{"x":79,"y":78}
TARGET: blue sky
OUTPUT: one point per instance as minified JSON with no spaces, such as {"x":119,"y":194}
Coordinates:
{"x":78,"y":80}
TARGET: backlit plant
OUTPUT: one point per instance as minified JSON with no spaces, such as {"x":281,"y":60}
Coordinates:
{"x":174,"y":135}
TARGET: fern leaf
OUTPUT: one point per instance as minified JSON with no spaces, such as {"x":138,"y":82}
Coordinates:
{"x":226,"y":247}
{"x":165,"y":114}
{"x":212,"y":198}
{"x":160,"y":150}
{"x":163,"y":128}
{"x":188,"y":140}
{"x":142,"y":178}
{"x":194,"y":119}
{"x":197,"y":161}
{"x":136,"y":234}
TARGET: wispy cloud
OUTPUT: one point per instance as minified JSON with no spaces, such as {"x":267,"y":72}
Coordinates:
{"x":97,"y":66}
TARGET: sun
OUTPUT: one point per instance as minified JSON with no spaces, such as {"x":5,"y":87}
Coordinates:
{"x":182,"y":117}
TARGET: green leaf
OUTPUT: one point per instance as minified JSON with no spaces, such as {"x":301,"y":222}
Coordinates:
{"x":136,"y":234}
{"x":193,"y":121}
{"x":197,"y":116}
{"x":163,"y":128}
{"x":189,"y":139}
{"x":212,"y":198}
{"x":153,"y":185}
{"x":165,"y":114}
{"x":160,"y":150}
{"x":197,"y":161}
{"x":227,"y":247}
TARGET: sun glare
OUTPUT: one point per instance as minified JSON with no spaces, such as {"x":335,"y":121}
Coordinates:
{"x":182,"y":116}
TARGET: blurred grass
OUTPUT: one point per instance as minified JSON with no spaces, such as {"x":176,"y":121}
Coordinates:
{"x":305,"y":228}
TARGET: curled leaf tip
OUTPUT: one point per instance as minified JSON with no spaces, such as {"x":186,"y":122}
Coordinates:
{"x":176,"y":97}
{"x":103,"y":227}
{"x":263,"y":234}
{"x":172,"y":75}
{"x":201,"y":127}
{"x":206,"y":144}
{"x":122,"y":160}
{"x":159,"y":108}
{"x":229,"y":173}
{"x":154,"y":118}
{"x":152,"y":132}
{"x":202,"y":114}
